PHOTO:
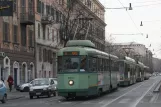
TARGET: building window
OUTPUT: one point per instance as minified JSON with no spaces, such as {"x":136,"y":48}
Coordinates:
{"x":14,"y":5}
{"x":53,"y":35}
{"x":38,"y":6}
{"x":30,"y":35}
{"x":57,"y":16}
{"x":23,"y":35}
{"x":40,"y":54}
{"x":31,"y":7}
{"x":23,"y":3}
{"x":44,"y":55}
{"x":38,"y":30}
{"x":48,"y":33}
{"x":15,"y":34}
{"x":6,"y":31}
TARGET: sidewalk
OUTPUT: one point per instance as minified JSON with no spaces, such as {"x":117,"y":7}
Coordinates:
{"x":14,"y":94}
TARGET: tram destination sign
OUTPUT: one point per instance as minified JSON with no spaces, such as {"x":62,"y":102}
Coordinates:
{"x":6,"y":7}
{"x":71,"y":53}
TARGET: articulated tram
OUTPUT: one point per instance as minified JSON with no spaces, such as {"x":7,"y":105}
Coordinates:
{"x":146,"y":73}
{"x":84,"y":70}
{"x":140,"y":72}
{"x":127,"y":71}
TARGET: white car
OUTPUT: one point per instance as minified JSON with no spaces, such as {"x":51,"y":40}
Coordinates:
{"x":25,"y":87}
{"x":43,"y":86}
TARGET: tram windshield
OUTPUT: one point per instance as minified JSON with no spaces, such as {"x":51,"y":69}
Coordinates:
{"x":72,"y":64}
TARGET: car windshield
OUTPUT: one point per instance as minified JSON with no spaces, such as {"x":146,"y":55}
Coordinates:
{"x":40,"y":82}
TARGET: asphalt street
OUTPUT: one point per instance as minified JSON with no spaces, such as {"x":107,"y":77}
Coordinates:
{"x":137,"y":95}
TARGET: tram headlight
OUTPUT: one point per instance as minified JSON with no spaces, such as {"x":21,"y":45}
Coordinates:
{"x":71,"y":82}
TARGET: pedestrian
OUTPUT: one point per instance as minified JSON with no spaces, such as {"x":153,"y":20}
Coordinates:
{"x":10,"y":82}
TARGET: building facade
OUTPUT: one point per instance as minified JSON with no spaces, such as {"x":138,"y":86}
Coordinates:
{"x":17,"y":43}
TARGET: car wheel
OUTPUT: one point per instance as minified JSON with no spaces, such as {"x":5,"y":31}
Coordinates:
{"x":38,"y":97}
{"x":49,"y":94}
{"x":54,"y":93}
{"x":4,"y":99}
{"x":26,"y":89}
{"x":31,"y":97}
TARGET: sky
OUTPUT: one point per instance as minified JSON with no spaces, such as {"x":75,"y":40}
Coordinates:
{"x":122,"y":22}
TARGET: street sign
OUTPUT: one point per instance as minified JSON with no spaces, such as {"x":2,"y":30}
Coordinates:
{"x":6,"y":7}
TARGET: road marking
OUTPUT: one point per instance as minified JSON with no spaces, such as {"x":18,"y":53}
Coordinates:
{"x":120,"y":96}
{"x":124,"y":101}
{"x":144,"y":94}
{"x":153,"y":98}
{"x":65,"y":102}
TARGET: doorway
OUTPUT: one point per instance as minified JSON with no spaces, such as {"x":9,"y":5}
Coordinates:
{"x":15,"y":77}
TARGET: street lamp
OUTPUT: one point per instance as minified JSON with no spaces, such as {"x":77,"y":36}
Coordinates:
{"x":130,"y":7}
{"x":141,"y":24}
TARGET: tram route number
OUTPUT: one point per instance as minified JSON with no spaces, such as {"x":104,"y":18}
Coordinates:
{"x":71,"y":53}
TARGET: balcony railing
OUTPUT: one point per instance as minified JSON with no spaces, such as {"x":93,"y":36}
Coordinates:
{"x":27,"y":18}
{"x":46,"y":19}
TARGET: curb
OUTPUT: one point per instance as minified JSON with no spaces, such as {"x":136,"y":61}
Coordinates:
{"x":157,"y":87}
{"x":14,"y":98}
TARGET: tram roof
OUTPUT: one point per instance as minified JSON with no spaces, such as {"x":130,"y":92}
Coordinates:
{"x":84,"y":43}
{"x":141,"y":64}
{"x":146,"y":67}
{"x":128,"y":60}
{"x":86,"y":51}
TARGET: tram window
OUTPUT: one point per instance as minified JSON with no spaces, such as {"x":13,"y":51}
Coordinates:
{"x":99,"y":65}
{"x":59,"y":64}
{"x":83,"y":64}
{"x":92,"y":64}
{"x":71,"y":64}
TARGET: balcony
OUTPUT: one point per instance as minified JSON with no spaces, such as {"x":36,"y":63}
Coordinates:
{"x":27,"y":18}
{"x":46,"y":20}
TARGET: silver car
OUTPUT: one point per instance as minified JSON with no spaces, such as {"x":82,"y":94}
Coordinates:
{"x":42,"y":87}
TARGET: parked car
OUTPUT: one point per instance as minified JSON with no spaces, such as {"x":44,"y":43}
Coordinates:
{"x":3,"y":92}
{"x":42,"y":87}
{"x":24,"y":87}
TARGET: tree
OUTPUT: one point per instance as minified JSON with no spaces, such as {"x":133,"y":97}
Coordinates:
{"x":76,"y":22}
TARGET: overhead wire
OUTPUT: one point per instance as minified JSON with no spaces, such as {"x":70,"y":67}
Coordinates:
{"x":146,"y":1}
{"x":131,"y":18}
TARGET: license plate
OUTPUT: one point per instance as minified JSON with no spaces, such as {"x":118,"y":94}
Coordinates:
{"x":38,"y":93}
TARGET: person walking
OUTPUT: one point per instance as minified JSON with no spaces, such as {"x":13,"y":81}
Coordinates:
{"x":10,"y":82}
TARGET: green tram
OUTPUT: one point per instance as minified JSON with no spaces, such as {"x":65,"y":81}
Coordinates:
{"x":127,"y":71}
{"x":140,"y":72}
{"x":84,"y":70}
{"x":146,"y":73}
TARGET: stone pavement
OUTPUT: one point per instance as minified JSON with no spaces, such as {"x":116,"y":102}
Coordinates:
{"x":14,"y":94}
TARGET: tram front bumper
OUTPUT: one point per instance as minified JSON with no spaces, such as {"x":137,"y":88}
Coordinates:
{"x":72,"y":92}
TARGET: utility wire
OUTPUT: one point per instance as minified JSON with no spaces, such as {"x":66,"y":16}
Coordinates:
{"x":130,"y":17}
{"x":146,"y":1}
{"x":147,"y":5}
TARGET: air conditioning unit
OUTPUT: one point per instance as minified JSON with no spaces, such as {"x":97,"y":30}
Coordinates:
{"x":2,"y":54}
